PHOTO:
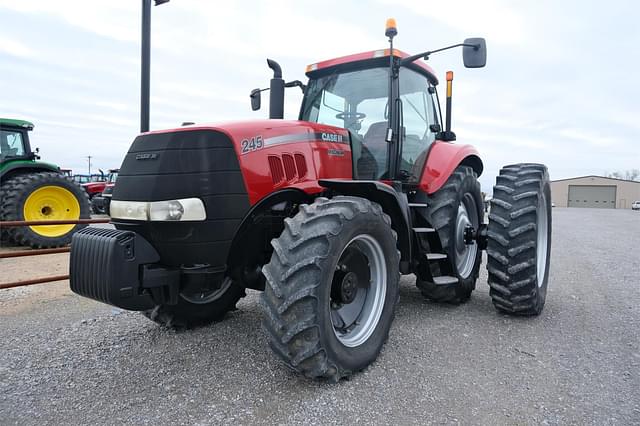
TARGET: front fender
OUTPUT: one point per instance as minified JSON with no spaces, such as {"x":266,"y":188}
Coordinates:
{"x":442,"y":160}
{"x":394,"y":203}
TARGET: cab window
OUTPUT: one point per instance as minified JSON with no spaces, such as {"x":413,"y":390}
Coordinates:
{"x":11,"y":144}
{"x":356,"y":101}
{"x":419,"y":114}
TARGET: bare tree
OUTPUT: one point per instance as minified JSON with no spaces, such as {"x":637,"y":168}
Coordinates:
{"x":633,"y":174}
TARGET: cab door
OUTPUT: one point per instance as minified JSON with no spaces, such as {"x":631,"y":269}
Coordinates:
{"x":419,"y":123}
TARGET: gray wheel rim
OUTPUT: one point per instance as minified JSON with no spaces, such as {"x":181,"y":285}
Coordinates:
{"x":364,"y":312}
{"x":542,"y":241}
{"x":208,"y":296}
{"x":465,"y":254}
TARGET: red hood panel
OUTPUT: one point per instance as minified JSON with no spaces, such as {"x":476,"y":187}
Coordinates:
{"x":279,"y":154}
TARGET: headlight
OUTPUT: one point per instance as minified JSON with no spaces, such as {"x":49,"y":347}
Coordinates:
{"x":187,"y":209}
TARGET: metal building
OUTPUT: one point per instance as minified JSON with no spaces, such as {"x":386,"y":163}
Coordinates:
{"x":595,"y":192}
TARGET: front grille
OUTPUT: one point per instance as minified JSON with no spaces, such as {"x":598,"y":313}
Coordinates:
{"x":186,"y":164}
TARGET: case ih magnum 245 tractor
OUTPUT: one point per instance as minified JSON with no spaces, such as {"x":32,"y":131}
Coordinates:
{"x":323,"y":213}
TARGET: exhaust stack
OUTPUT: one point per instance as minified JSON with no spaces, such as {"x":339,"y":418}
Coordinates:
{"x":276,"y":97}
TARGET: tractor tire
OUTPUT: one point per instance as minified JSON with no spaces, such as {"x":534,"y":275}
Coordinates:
{"x":193,"y":311}
{"x":519,"y":239}
{"x":460,"y":197}
{"x":43,"y":196}
{"x":332,"y":286}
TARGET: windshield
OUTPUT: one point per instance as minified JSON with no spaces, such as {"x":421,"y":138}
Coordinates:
{"x":11,"y":144}
{"x":356,"y":101}
{"x":112,"y":177}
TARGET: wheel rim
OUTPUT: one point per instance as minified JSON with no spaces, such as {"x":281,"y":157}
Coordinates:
{"x":51,"y":203}
{"x":204,"y":297}
{"x":358,"y":291}
{"x":465,"y":254}
{"x":541,"y":250}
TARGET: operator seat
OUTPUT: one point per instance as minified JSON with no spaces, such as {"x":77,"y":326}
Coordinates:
{"x":374,"y":151}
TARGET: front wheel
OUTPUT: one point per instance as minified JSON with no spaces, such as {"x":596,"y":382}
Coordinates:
{"x":332,"y":286}
{"x":200,"y":308}
{"x":519,"y":239}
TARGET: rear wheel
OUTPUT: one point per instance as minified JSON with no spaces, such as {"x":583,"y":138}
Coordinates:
{"x":332,"y":286}
{"x":199,"y":308}
{"x":453,"y":208}
{"x":519,"y":239}
{"x":43,"y":196}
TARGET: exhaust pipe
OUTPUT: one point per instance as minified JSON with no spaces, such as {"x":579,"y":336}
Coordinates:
{"x":276,"y":88}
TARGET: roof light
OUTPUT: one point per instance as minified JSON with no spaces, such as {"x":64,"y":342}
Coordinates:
{"x":391,"y":30}
{"x":379,"y":53}
{"x":312,"y":67}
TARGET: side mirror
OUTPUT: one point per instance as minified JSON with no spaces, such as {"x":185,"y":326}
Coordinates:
{"x":255,"y":99}
{"x":474,"y":57}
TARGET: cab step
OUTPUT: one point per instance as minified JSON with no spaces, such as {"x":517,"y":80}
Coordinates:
{"x":423,"y":230}
{"x":445,"y":280}
{"x":436,"y":256}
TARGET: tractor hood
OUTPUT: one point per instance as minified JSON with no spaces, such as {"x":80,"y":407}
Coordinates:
{"x":158,"y":159}
{"x":285,"y":131}
{"x":229,"y":167}
{"x":94,"y":185}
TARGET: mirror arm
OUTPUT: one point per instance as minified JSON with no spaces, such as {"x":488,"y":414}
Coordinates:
{"x":297,"y":83}
{"x":425,"y":55}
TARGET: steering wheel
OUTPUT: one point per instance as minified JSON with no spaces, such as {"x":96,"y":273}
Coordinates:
{"x":350,"y":115}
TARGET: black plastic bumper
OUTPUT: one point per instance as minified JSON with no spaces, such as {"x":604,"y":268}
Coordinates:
{"x":120,"y":268}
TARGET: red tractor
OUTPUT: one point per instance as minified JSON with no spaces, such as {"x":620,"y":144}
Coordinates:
{"x":100,"y":201}
{"x":323,"y":213}
{"x":95,"y":184}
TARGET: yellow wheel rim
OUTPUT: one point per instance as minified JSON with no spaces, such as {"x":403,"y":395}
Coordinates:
{"x":51,"y":203}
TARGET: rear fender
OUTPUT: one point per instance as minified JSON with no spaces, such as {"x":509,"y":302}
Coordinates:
{"x":394,"y":203}
{"x":443,"y":159}
{"x":26,"y":167}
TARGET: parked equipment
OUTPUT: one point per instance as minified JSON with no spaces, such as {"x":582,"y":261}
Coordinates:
{"x":96,"y":186}
{"x":322,"y":213}
{"x":100,"y":203}
{"x":35,"y":190}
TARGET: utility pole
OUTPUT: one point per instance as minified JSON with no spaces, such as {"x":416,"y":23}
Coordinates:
{"x":89,"y":158}
{"x":146,"y":63}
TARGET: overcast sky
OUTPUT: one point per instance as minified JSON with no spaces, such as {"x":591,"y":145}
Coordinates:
{"x":560,"y":87}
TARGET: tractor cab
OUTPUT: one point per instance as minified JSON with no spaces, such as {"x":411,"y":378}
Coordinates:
{"x":14,"y":140}
{"x":353,"y":92}
{"x":386,"y":100}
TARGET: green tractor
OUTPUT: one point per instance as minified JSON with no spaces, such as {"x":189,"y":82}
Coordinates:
{"x":34,"y":190}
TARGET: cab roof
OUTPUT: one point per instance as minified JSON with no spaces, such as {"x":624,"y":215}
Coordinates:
{"x":10,"y":122}
{"x":372,"y":56}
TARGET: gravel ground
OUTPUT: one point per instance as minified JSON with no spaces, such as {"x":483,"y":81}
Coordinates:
{"x":68,"y":360}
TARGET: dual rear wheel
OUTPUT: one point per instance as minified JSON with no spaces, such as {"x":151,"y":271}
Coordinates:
{"x":518,"y":237}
